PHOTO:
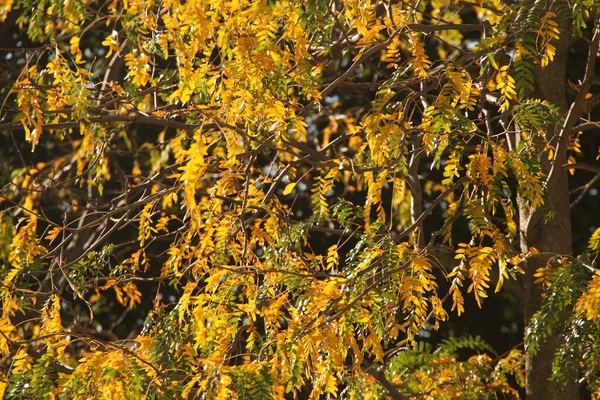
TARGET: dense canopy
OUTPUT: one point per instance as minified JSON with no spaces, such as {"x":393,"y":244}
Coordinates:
{"x":299,"y":198}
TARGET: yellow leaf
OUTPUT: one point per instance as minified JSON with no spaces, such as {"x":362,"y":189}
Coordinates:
{"x":169,"y":200}
{"x":288,"y":188}
{"x":54,"y":232}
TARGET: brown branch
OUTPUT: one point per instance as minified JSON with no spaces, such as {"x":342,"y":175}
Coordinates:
{"x":410,"y":27}
{"x":65,"y":369}
{"x":432,"y":206}
{"x":576,"y":109}
{"x":385,"y":383}
{"x":587,"y":126}
{"x":585,"y":167}
{"x":416,"y":192}
{"x":137,"y":118}
{"x":358,"y":62}
{"x":584,"y":189}
{"x":445,"y":27}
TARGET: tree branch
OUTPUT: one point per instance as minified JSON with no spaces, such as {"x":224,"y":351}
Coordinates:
{"x":137,"y":118}
{"x":385,"y":383}
{"x":575,"y":111}
{"x":432,"y":206}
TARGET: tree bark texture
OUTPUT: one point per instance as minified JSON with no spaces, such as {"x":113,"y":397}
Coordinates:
{"x":549,"y":228}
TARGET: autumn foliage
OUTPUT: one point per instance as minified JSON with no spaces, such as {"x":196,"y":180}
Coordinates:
{"x":283,"y":198}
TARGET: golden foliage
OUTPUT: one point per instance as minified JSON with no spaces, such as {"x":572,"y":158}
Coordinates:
{"x":251,"y":178}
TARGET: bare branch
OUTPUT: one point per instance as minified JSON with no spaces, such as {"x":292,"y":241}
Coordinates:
{"x":576,"y":108}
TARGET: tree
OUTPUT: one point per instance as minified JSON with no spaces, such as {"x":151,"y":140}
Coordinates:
{"x":285,"y":198}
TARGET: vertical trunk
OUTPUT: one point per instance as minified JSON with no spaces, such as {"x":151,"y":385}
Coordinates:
{"x":551,"y":237}
{"x":548,"y":230}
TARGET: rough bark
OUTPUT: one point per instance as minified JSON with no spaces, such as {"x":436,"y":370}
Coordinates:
{"x":548,"y":230}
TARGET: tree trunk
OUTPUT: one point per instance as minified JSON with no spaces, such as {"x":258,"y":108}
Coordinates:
{"x":548,"y":229}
